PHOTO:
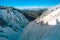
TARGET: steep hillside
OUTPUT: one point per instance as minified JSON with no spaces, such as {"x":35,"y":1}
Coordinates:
{"x":50,"y":16}
{"x":11,"y":23}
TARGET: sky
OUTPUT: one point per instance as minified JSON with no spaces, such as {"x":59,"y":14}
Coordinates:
{"x":29,"y":3}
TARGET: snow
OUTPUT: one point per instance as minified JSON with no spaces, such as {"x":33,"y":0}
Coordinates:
{"x":11,"y":24}
{"x":39,"y":31}
{"x":51,"y":17}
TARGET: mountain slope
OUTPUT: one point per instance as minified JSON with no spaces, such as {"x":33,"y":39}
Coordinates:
{"x":11,"y":23}
{"x":47,"y":27}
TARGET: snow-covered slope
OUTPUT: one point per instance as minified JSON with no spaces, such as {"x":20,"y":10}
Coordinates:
{"x":52,"y":15}
{"x":11,"y":23}
{"x":46,"y":27}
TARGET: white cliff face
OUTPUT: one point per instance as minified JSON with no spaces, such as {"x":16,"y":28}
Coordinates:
{"x":45,"y":28}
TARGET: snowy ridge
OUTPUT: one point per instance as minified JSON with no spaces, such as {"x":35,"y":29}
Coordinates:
{"x":50,"y":16}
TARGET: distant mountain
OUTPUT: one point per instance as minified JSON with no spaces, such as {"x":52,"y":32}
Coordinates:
{"x":33,"y":13}
{"x":46,"y":27}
